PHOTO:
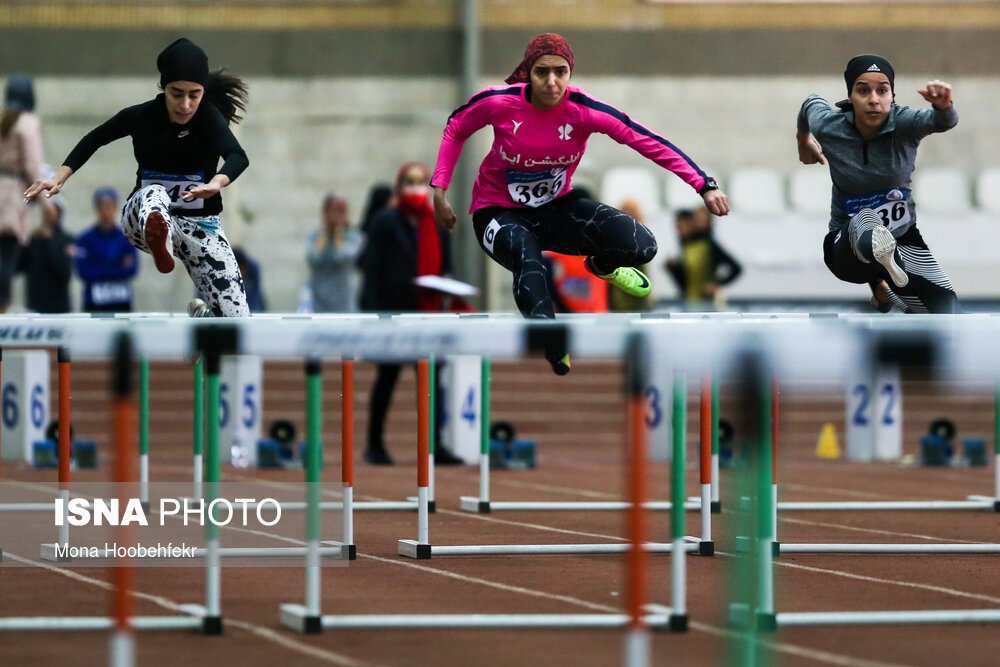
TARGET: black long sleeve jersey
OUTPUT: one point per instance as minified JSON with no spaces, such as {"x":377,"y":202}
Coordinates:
{"x":179,"y":157}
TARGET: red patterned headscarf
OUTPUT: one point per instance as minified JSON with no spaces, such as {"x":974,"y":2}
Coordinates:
{"x":546,"y":44}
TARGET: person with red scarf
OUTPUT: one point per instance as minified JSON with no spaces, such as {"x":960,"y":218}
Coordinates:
{"x":403,"y":243}
{"x":523,"y":201}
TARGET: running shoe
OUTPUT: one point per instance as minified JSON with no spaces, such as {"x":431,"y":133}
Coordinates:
{"x":198,"y":308}
{"x":884,"y":250}
{"x":560,"y":365}
{"x":628,"y":279}
{"x":157,"y":234}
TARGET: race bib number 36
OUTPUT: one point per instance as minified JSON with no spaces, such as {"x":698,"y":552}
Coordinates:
{"x":175,"y":185}
{"x":890,"y":206}
{"x":535,"y":188}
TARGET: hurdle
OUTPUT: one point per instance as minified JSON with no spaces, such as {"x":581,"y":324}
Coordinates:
{"x":121,"y":620}
{"x":482,"y":504}
{"x":637,"y":619}
{"x":765,"y":618}
{"x":421,"y":548}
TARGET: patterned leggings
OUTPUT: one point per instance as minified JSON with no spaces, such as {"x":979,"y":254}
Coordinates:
{"x":572,"y":225}
{"x":199,"y":243}
{"x":928,"y":291}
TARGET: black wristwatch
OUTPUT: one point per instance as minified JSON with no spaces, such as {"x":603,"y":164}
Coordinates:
{"x":710,"y":184}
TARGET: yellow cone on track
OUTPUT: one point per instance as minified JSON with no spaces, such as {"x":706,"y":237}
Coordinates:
{"x":827,"y":447}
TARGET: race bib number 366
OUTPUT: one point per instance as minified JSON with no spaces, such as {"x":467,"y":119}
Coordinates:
{"x":175,"y":185}
{"x":890,"y":206}
{"x":535,"y":188}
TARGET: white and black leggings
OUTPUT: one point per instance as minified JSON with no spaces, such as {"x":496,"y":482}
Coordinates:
{"x":199,"y":243}
{"x":572,"y":225}
{"x":928,"y":291}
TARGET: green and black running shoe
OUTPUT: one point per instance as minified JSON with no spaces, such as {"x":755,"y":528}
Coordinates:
{"x":628,"y":279}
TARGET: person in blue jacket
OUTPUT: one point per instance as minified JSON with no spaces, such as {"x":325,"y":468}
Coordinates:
{"x":105,"y":261}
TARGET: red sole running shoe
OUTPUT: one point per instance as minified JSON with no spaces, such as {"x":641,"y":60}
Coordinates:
{"x":156,"y":233}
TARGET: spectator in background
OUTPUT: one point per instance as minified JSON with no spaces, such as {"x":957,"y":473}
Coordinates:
{"x":619,"y":301}
{"x":47,"y":262}
{"x":250,"y":270}
{"x":20,"y":165}
{"x":105,"y":261}
{"x":332,"y":252}
{"x":379,"y":197}
{"x":703,"y":266}
{"x":403,"y":242}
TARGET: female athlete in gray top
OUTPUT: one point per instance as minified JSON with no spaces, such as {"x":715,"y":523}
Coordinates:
{"x":870,"y":143}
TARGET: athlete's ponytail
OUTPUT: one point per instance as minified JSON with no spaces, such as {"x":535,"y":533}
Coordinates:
{"x":228,"y":92}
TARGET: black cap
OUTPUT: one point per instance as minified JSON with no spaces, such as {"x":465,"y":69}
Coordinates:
{"x":20,"y":93}
{"x":183,"y":60}
{"x":859,"y":65}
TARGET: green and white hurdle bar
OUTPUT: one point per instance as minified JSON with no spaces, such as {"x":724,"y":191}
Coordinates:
{"x":761,"y":614}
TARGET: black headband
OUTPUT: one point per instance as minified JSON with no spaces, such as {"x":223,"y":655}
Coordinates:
{"x":859,"y":65}
{"x":183,"y":60}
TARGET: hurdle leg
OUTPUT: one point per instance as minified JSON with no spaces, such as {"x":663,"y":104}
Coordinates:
{"x":212,"y":622}
{"x":313,"y":621}
{"x":678,"y":575}
{"x":144,"y":434}
{"x":51,"y":552}
{"x":705,"y":546}
{"x":199,"y":427}
{"x":637,"y":639}
{"x":347,"y":453}
{"x":716,"y":503}
{"x":421,"y":548}
{"x":122,"y":643}
{"x":776,"y":544}
{"x":766,"y":620}
{"x":432,"y":434}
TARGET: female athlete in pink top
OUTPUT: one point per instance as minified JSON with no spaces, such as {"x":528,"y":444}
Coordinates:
{"x":523,"y":201}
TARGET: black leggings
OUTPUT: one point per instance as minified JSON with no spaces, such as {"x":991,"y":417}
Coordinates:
{"x":10,"y":251}
{"x":928,"y":291}
{"x":572,"y":225}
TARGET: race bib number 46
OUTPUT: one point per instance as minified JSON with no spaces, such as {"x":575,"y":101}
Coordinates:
{"x":889,"y":205}
{"x":175,"y":185}
{"x":535,"y":188}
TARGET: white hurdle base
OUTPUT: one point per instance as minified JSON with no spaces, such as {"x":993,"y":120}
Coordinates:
{"x":473,"y":504}
{"x":972,"y":503}
{"x":294,"y":616}
{"x":192,"y":621}
{"x":793,"y":548}
{"x":413,"y":549}
{"x":809,"y":618}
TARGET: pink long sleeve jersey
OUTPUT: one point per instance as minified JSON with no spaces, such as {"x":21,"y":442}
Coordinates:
{"x":535,"y":152}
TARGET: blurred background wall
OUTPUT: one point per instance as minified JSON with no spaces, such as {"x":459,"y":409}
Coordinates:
{"x":344,"y":91}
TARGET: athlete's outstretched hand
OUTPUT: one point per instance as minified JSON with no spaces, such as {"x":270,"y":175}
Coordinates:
{"x":444,"y":215}
{"x":205,"y":191}
{"x":938,"y":93}
{"x":50,"y":186}
{"x":810,"y":152}
{"x":717,"y":202}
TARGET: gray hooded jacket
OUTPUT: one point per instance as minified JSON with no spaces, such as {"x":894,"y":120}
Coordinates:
{"x":872,"y":173}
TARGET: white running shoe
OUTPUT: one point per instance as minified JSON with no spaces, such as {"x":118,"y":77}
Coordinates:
{"x":198,"y":308}
{"x":884,"y":250}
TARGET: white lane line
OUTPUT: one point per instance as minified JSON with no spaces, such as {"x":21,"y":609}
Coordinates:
{"x":267,"y":634}
{"x":779,"y":646}
{"x":891,"y":582}
{"x":877,"y":531}
{"x":793,"y":649}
